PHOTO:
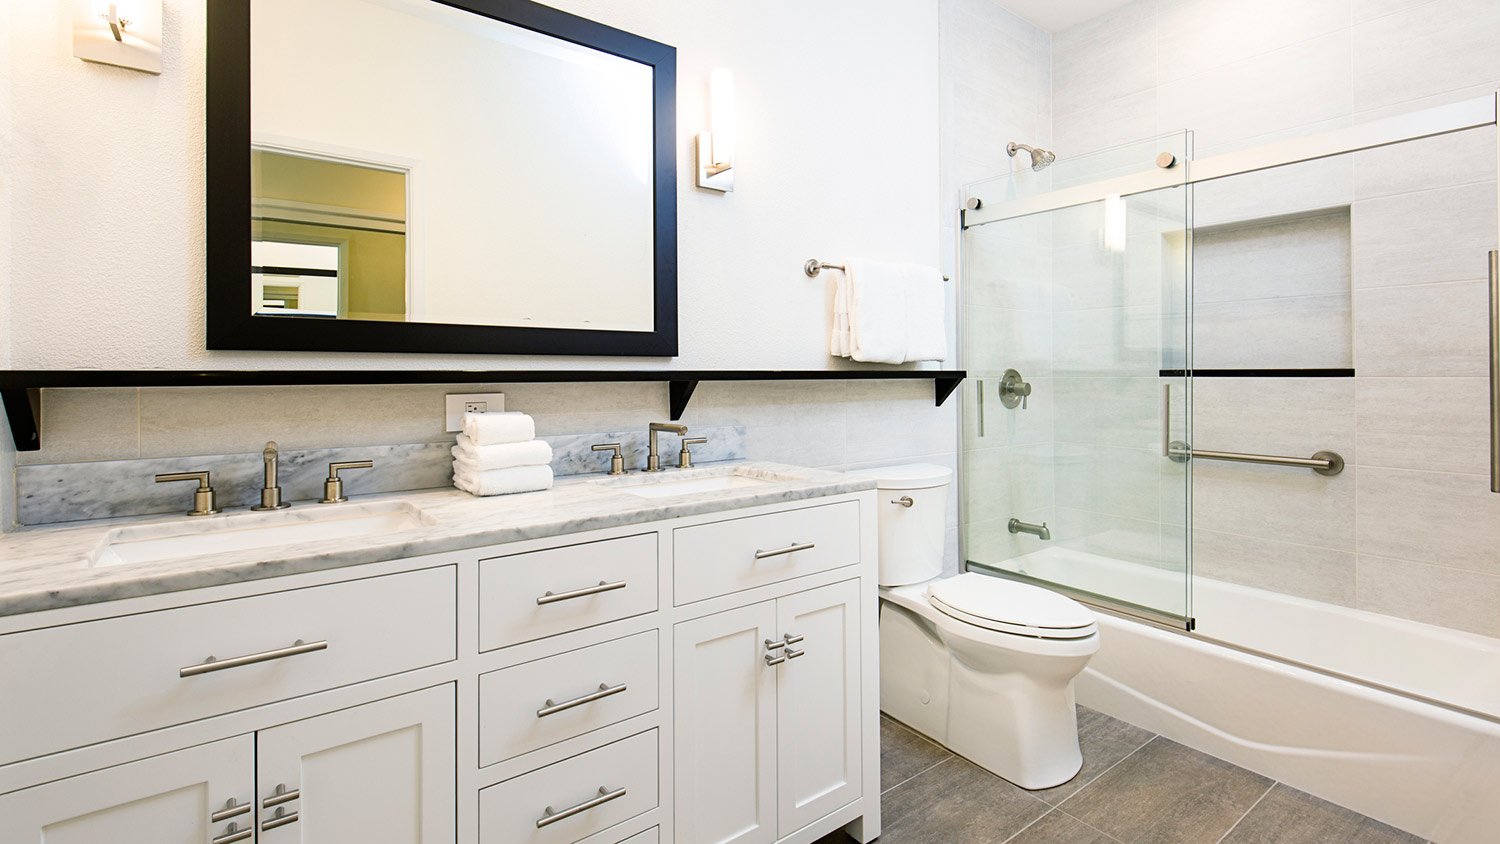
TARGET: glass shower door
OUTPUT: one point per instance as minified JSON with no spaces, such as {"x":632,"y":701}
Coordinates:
{"x":1076,"y":340}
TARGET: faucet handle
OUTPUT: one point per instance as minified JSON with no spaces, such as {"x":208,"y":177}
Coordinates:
{"x":617,"y":462}
{"x":333,"y":486}
{"x":204,"y":501}
{"x":685,"y":457}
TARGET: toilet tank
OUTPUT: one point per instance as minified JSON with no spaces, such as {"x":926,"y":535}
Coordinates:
{"x":911,"y":535}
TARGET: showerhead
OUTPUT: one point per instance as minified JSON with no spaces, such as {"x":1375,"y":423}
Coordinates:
{"x":1041,"y":159}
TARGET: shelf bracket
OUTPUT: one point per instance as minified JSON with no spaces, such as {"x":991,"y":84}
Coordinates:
{"x":680,"y":392}
{"x":23,"y":408}
{"x":943,"y":387}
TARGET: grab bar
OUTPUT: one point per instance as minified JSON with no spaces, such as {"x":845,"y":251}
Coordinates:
{"x":1494,"y":371}
{"x":1323,"y":462}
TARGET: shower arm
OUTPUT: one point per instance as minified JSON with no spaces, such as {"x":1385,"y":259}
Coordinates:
{"x":1323,"y":462}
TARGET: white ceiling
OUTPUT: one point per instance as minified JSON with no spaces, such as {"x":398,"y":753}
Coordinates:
{"x":1054,"y":15}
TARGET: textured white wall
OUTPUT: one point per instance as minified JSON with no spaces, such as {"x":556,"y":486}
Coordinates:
{"x":837,"y":112}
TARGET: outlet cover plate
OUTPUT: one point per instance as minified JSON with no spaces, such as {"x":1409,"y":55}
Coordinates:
{"x":459,"y":403}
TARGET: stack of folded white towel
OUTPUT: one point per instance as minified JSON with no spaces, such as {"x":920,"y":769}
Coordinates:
{"x":498,"y":454}
{"x":889,"y":313}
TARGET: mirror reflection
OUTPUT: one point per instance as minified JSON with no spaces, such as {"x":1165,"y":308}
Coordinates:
{"x":413,"y":162}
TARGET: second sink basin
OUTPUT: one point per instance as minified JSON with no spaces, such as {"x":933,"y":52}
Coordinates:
{"x":177,"y":540}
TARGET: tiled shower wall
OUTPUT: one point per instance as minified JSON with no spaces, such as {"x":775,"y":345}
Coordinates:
{"x":1409,"y":529}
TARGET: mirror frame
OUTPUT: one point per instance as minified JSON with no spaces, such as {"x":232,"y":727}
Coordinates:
{"x":231,"y":325}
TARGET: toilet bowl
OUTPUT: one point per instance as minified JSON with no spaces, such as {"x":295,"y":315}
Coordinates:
{"x":980,"y":664}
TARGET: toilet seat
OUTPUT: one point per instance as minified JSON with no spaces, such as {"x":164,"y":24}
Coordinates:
{"x":1007,"y":606}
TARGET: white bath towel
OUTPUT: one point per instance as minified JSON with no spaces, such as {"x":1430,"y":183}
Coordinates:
{"x":896,"y":312}
{"x":501,"y":481}
{"x":498,"y":428}
{"x":838,"y":340}
{"x":503,"y":455}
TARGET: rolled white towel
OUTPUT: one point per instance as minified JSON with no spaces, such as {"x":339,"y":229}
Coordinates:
{"x":502,"y":481}
{"x":502,"y":456}
{"x":498,"y":428}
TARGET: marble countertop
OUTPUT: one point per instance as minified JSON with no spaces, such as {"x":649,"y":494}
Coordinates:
{"x":53,"y":567}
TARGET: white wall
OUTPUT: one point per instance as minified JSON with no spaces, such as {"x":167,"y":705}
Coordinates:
{"x":837,"y":155}
{"x":1409,"y":528}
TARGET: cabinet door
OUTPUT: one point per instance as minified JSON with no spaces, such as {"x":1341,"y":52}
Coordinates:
{"x":818,"y":714}
{"x":725,"y":757}
{"x":382,"y":772}
{"x":167,"y":799}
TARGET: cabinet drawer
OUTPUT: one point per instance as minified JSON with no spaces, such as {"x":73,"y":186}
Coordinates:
{"x":532,"y":596}
{"x":650,"y":836}
{"x":608,"y":682}
{"x":83,"y":683}
{"x":510,"y":811}
{"x":723,"y":557}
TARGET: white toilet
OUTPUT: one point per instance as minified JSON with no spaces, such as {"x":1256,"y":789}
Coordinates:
{"x":983,"y":665}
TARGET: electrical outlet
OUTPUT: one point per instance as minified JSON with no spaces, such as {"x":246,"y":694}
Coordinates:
{"x":457,"y":404}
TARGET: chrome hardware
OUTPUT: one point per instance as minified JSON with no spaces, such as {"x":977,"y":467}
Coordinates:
{"x":772,"y":644}
{"x":776,"y":659}
{"x":1041,"y":159}
{"x":1166,"y":161}
{"x":603,"y":586}
{"x":1327,"y":463}
{"x":233,"y":833}
{"x":790,"y":549}
{"x":617,"y":462}
{"x":904,"y":501}
{"x":980,"y":394}
{"x":204,"y":501}
{"x":278,"y":820}
{"x":653,"y":461}
{"x":550,"y":817}
{"x":793,"y":653}
{"x":270,"y":492}
{"x":281,"y":794}
{"x":333,"y":486}
{"x":1495,"y":372}
{"x":1014,"y":390}
{"x":814,"y":266}
{"x":211,"y":664}
{"x":1039,"y":531}
{"x":685,"y":457}
{"x":791,"y":639}
{"x":605,"y":690}
{"x":232,"y":809}
{"x":973,"y":203}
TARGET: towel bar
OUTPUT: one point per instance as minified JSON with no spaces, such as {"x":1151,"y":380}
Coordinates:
{"x":814,"y":266}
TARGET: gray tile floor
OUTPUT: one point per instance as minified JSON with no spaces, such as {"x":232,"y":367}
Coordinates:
{"x":1135,"y":786}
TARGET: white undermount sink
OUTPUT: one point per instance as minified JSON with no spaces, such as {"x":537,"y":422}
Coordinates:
{"x":687,"y":482}
{"x":307,"y":523}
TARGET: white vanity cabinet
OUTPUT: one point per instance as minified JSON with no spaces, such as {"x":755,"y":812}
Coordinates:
{"x":703,"y":679}
{"x":768,"y":716}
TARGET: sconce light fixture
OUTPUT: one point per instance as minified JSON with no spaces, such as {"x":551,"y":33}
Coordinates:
{"x":716,"y":144}
{"x":126,"y":33}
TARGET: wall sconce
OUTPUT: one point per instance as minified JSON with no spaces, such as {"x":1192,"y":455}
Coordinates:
{"x":126,"y":33}
{"x":716,"y":144}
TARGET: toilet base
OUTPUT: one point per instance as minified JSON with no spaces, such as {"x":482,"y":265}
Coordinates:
{"x":1009,"y":710}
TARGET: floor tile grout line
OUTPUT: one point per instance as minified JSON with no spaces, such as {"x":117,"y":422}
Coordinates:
{"x":1242,"y":817}
{"x":1034,"y":821}
{"x":1091,"y":826}
{"x":896,"y":723}
{"x":1100,"y":775}
{"x":886,"y":791}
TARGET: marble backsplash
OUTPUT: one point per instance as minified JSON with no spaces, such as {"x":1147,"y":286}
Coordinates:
{"x":67,"y":492}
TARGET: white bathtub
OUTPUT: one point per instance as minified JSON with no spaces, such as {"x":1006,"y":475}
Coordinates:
{"x":1423,"y":767}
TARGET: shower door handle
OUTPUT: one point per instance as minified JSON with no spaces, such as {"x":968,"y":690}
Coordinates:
{"x":1495,"y":371}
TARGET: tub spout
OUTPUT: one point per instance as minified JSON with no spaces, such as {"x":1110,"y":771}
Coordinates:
{"x":1039,"y":531}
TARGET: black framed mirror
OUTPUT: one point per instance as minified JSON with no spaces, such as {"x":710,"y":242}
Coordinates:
{"x":463,"y":176}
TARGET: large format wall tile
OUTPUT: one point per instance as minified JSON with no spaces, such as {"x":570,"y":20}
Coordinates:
{"x":1436,"y":424}
{"x":1425,"y":237}
{"x":1105,"y":58}
{"x":1297,"y":505}
{"x":1435,"y":517}
{"x":1446,"y":597}
{"x":91,"y":424}
{"x":1422,"y":330}
{"x":1119,"y":411}
{"x":1004,"y":482}
{"x":1444,"y":161}
{"x":1262,"y":195}
{"x":1307,"y":256}
{"x":1110,"y":480}
{"x":1008,"y":426}
{"x":1282,"y":333}
{"x":1107,"y":341}
{"x":1289,"y":568}
{"x":1001,"y":339}
{"x":1198,"y":35}
{"x":1425,"y":49}
{"x":1290,"y":416}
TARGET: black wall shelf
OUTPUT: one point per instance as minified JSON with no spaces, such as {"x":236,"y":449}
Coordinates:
{"x":21,"y":389}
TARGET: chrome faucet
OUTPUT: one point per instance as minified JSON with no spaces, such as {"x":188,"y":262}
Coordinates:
{"x":653,"y":458}
{"x":1039,"y":531}
{"x":270,"y":493}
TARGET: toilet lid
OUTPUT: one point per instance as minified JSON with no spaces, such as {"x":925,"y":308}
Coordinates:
{"x":1010,"y":607}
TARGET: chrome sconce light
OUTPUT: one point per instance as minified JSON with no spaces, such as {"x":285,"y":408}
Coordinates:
{"x":716,"y":144}
{"x":125,"y":33}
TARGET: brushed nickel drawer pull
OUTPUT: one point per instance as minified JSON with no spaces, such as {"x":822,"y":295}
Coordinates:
{"x":793,"y":639}
{"x":231,"y":810}
{"x":550,"y":817}
{"x":278,"y":820}
{"x":605,"y":690}
{"x":793,"y":653}
{"x":776,"y":659}
{"x":233,"y":834}
{"x":554,"y":597}
{"x":790,"y":549}
{"x":212,"y":664}
{"x":775,"y":644}
{"x":282,"y":794}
